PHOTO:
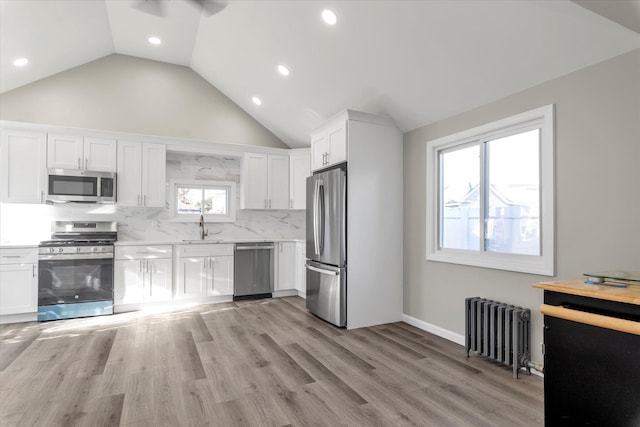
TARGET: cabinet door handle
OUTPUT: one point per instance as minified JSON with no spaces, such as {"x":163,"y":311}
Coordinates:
{"x":33,"y":270}
{"x":79,"y":163}
{"x":141,"y":261}
{"x":144,"y":200}
{"x":184,"y":280}
{"x":213,"y":279}
{"x":138,"y":204}
{"x":86,"y":163}
{"x":269,"y":203}
{"x":42,"y":197}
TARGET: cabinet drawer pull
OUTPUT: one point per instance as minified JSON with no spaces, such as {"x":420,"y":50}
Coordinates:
{"x":592,"y":319}
{"x":11,"y":256}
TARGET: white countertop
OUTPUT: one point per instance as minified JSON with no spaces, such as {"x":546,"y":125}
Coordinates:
{"x":19,"y":246}
{"x":200,"y":242}
{"x":167,"y":242}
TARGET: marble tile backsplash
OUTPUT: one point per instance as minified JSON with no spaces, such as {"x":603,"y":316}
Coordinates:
{"x":29,"y":224}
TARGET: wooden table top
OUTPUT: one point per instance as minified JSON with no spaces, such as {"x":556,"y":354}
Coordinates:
{"x":629,"y":295}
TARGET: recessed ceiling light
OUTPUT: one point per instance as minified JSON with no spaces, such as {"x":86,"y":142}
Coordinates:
{"x":20,"y":62}
{"x":329,"y":17}
{"x":256,"y":100}
{"x":283,"y":70}
{"x":155,"y":40}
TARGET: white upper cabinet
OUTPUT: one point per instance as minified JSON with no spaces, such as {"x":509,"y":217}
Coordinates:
{"x":265,"y":181}
{"x":154,"y":164}
{"x":278,"y":178}
{"x":329,"y":144}
{"x":299,"y":170}
{"x":100,"y":154}
{"x":83,"y":153}
{"x":23,"y":173}
{"x":253,"y":181}
{"x":141,"y":174}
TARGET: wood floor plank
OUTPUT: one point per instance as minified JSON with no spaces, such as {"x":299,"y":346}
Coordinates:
{"x":264,"y":362}
{"x":344,"y":353}
{"x":323,"y":374}
{"x":95,"y":359}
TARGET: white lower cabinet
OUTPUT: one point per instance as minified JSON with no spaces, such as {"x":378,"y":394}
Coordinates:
{"x":301,"y":269}
{"x":18,"y":281}
{"x":286,"y":266}
{"x":204,"y":270}
{"x":143,"y":274}
{"x":291,"y":267}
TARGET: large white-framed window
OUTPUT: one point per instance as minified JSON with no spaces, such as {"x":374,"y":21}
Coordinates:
{"x":215,"y":200}
{"x":490,"y":195}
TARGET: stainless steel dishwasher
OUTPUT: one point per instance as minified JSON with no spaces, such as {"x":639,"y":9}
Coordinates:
{"x":253,"y":270}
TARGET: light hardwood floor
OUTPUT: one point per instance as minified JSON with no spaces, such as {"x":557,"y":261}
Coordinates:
{"x":251,"y":363}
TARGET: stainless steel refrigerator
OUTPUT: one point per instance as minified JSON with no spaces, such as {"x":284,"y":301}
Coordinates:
{"x":326,"y":244}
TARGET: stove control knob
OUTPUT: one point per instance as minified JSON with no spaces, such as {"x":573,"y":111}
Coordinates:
{"x":51,"y":250}
{"x":78,"y":249}
{"x":94,"y":249}
{"x":60,"y":249}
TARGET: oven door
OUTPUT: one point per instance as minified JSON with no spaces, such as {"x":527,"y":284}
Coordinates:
{"x":75,"y":286}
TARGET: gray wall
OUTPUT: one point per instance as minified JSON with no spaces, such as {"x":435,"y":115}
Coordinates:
{"x":126,"y":94}
{"x":597,"y":194}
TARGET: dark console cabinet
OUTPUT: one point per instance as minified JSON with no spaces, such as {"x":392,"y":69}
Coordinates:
{"x":592,"y":369}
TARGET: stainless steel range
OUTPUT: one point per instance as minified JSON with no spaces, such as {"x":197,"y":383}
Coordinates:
{"x":76,"y":270}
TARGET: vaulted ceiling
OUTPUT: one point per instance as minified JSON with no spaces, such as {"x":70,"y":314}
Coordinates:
{"x":415,"y":61}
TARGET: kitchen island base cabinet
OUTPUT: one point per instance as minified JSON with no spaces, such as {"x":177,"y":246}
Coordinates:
{"x":591,"y":373}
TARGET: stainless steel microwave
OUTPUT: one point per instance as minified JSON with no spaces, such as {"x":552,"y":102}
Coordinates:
{"x":67,"y":185}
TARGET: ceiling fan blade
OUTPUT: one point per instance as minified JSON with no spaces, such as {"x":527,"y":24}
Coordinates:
{"x":152,"y":7}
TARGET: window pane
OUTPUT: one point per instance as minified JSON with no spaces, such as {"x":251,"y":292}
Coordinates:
{"x":459,"y":198}
{"x":513,"y":194}
{"x":215,"y":201}
{"x":189,"y":200}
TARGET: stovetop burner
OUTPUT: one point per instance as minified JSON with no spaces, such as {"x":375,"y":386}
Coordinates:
{"x":74,"y":233}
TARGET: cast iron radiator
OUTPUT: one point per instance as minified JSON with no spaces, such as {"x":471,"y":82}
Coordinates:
{"x":499,"y":331}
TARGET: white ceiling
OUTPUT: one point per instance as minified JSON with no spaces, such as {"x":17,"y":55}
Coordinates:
{"x":416,"y":61}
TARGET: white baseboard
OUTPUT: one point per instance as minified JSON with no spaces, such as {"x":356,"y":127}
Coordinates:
{"x":285,"y":293}
{"x":436,"y":330}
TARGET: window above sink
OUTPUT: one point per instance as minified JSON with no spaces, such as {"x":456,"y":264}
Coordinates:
{"x":215,"y":200}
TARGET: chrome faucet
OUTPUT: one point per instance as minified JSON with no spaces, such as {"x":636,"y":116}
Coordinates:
{"x":203,"y":233}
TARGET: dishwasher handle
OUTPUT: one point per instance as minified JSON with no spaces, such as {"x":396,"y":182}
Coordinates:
{"x":251,"y":248}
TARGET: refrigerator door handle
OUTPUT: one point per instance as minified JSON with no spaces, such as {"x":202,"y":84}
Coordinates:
{"x":316,"y":219}
{"x":322,"y":270}
{"x":322,"y":218}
